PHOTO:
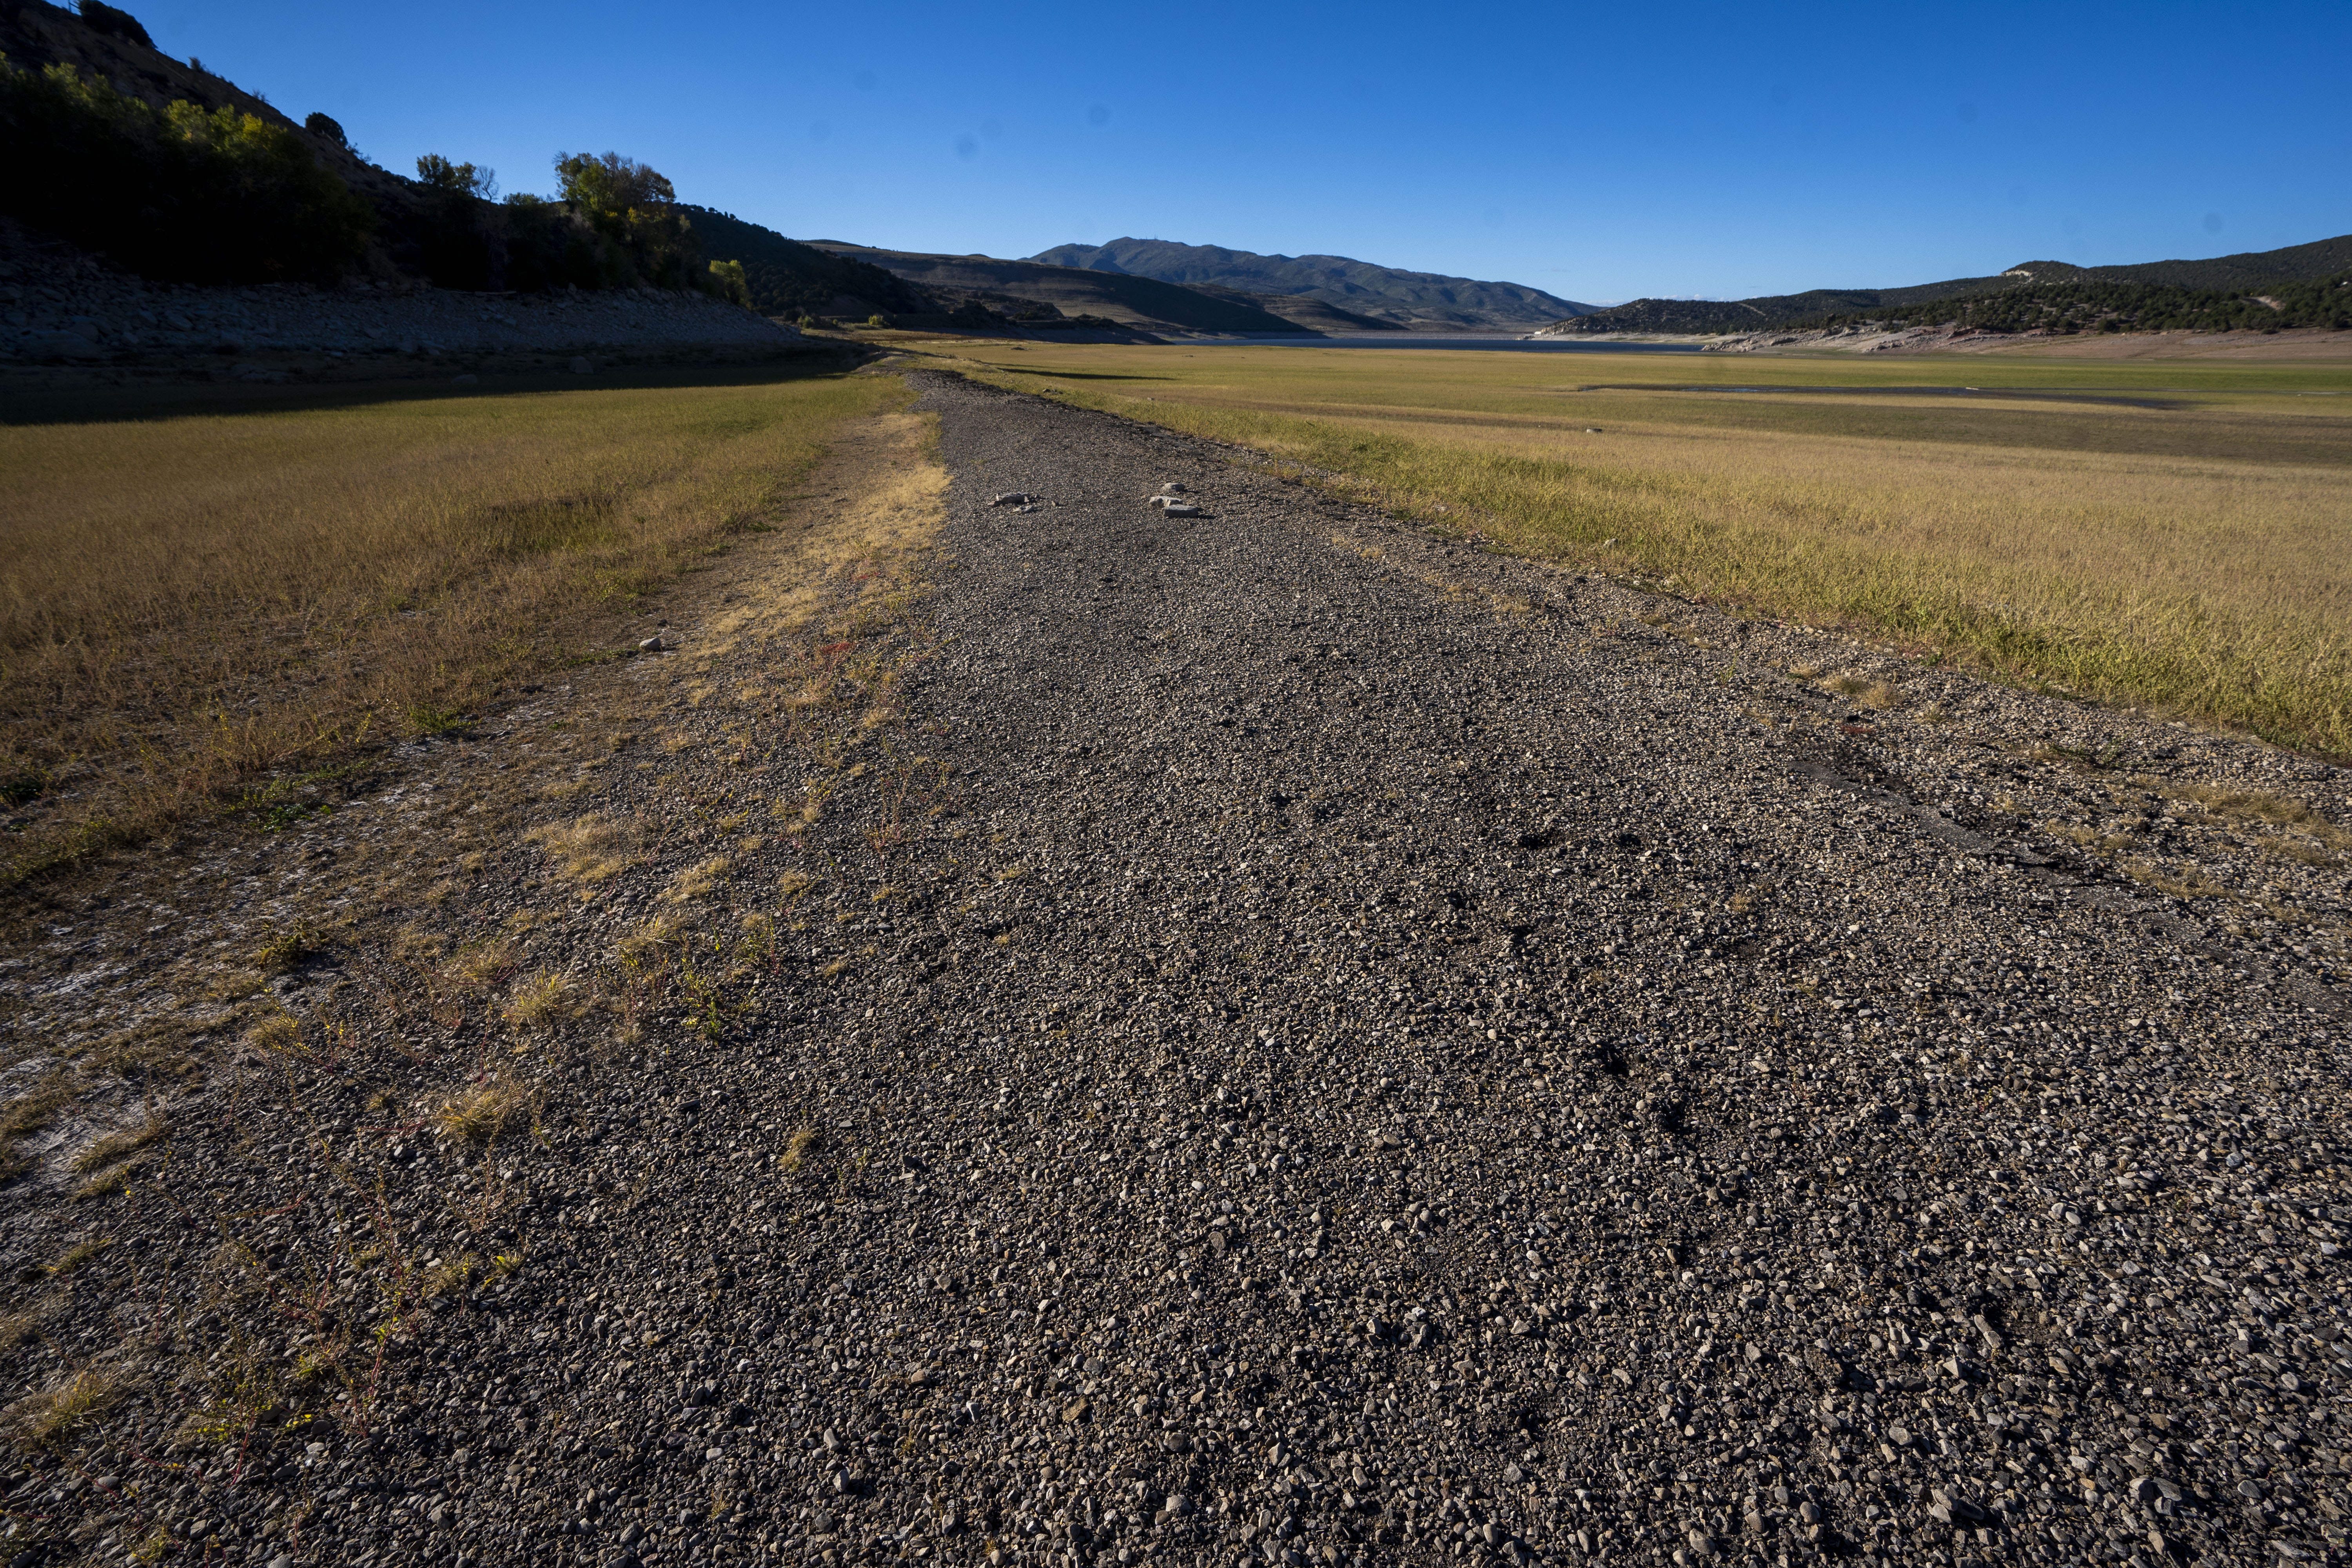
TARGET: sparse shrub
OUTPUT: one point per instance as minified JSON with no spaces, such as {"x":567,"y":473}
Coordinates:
{"x":326,"y":125}
{"x":482,"y":1112}
{"x":727,"y":281}
{"x":57,"y":1411}
{"x":543,"y":1001}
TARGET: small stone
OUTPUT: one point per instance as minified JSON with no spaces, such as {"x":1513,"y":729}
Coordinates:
{"x":1181,"y":508}
{"x":652,"y":645}
{"x":582,"y":366}
{"x":1172,"y":488}
{"x":468,"y":379}
{"x":1013,"y":498}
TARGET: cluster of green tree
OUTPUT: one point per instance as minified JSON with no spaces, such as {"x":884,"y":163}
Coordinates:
{"x":179,"y":192}
{"x":2085,"y":304}
{"x":190,"y":191}
{"x":615,"y":224}
{"x":784,"y":278}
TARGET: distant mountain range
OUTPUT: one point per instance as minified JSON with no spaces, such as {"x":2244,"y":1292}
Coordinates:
{"x":1144,"y":304}
{"x":1417,"y":301}
{"x":2241,"y":272}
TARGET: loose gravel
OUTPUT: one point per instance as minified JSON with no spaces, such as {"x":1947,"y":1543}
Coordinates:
{"x":1306,"y":1042}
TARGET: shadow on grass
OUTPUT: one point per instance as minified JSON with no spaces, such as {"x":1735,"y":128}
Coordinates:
{"x":33,"y":401}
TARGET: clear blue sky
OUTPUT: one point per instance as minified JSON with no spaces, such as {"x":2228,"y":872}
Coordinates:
{"x":1597,"y":152}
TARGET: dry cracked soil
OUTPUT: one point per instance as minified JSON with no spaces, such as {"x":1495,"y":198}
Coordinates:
{"x":1267,"y":1037}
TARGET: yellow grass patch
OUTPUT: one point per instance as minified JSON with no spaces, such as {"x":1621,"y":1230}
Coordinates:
{"x":697,"y":879}
{"x":58,"y":1410}
{"x":543,"y":1001}
{"x":482,"y":1112}
{"x":589,"y":850}
{"x":198,"y":592}
{"x":122,"y":1144}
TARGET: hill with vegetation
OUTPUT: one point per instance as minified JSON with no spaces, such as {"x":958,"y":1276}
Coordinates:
{"x":1144,"y":303}
{"x":785,"y":278}
{"x":2208,"y":295}
{"x":2086,"y":303}
{"x":1423,"y":301}
{"x":179,"y":176}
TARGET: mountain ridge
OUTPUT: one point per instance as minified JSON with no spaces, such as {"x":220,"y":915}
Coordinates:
{"x":1144,"y":303}
{"x":2241,"y":271}
{"x":1424,"y":301}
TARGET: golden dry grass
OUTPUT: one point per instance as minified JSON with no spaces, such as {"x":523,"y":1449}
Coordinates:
{"x":121,"y":1145}
{"x":28,"y":1113}
{"x":192,"y":600}
{"x":56,"y":1411}
{"x":482,"y":1112}
{"x":544,"y":1001}
{"x":589,"y":850}
{"x":2194,"y":555}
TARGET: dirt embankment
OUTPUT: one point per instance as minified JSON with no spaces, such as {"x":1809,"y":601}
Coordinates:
{"x":58,"y":307}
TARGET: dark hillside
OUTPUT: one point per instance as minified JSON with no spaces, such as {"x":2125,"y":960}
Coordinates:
{"x":178,"y":176}
{"x":35,"y":36}
{"x":1144,"y":302}
{"x":1305,"y":309}
{"x":789,"y":278}
{"x":1428,"y":301}
{"x":1767,"y":311}
{"x":2086,"y":301}
{"x":2247,"y":270}
{"x":2244,"y":273}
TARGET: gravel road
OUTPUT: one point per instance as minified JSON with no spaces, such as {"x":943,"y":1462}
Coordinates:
{"x":1310,"y":1043}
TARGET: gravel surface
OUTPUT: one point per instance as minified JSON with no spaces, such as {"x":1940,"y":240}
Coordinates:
{"x":1295,"y":1041}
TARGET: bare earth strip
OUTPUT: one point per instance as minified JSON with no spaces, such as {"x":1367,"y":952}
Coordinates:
{"x":1264,"y":1035}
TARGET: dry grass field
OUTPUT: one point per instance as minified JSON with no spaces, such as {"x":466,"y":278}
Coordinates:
{"x":2176,"y":535}
{"x":201,"y":594}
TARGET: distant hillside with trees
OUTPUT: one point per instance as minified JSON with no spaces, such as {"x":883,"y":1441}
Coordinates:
{"x":2091,"y":303}
{"x":786,"y":277}
{"x":1430,"y":301}
{"x":2187,"y":295}
{"x":179,"y":176}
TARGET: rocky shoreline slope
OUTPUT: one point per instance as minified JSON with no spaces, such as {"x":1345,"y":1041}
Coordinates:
{"x":62,"y":309}
{"x":1252,"y":1037}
